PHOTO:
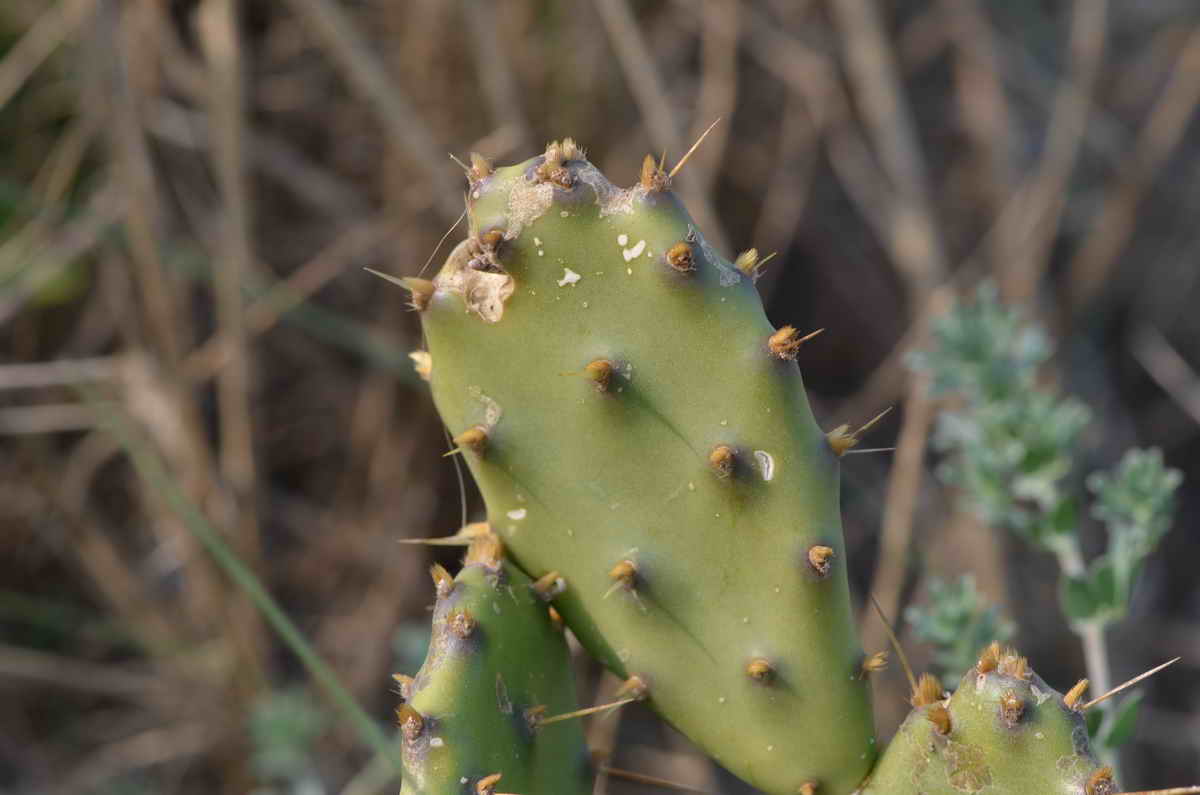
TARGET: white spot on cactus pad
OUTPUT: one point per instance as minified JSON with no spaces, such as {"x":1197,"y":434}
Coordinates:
{"x":527,"y":202}
{"x":634,"y":251}
{"x":766,"y":464}
{"x":517,"y":514}
{"x":436,"y":742}
{"x":622,"y":240}
{"x":610,"y":198}
{"x":491,"y":409}
{"x":569,"y":277}
{"x":537,"y":241}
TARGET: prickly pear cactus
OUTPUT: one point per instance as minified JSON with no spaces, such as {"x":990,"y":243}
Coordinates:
{"x":496,"y":666}
{"x":642,"y":439}
{"x":636,"y":423}
{"x":1003,"y":732}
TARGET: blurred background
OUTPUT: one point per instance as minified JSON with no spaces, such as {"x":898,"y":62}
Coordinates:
{"x":190,"y":349}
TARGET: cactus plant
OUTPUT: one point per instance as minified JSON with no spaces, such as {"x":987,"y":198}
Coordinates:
{"x":497,"y":665}
{"x":1003,"y":730}
{"x":636,"y":424}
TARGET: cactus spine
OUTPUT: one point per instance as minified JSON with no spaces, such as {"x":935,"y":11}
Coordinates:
{"x":635,"y":423}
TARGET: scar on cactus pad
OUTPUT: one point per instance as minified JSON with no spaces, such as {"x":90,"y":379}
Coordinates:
{"x":684,"y":493}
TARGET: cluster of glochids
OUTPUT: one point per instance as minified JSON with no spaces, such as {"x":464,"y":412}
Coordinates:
{"x":643,"y":442}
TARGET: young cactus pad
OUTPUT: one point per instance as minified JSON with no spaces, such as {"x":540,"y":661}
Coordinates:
{"x":496,"y":664}
{"x":1003,"y":732}
{"x":636,"y":423}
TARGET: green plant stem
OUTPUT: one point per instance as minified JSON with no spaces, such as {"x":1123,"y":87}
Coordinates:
{"x":1091,"y":633}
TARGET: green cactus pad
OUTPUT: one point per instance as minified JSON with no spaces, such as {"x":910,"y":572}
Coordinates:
{"x":636,"y":423}
{"x":1003,"y":732}
{"x":495,"y":663}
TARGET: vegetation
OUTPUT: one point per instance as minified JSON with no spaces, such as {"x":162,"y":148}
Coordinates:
{"x":212,"y":436}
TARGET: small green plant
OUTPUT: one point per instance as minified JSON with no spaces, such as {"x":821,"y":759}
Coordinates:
{"x":1135,"y":503}
{"x":284,"y":726}
{"x":1010,"y":447}
{"x":1009,"y":443}
{"x":957,"y":623}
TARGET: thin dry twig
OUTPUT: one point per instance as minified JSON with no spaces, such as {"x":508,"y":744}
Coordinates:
{"x":65,"y":245}
{"x":266,"y":311}
{"x":915,"y":245}
{"x":142,"y":750}
{"x":29,"y":665}
{"x":49,"y":418}
{"x":899,"y":511}
{"x":1089,"y":268}
{"x":135,"y":172}
{"x":787,"y":193}
{"x":1169,"y":370}
{"x":812,"y":77}
{"x":1025,"y":236}
{"x":221,"y":42}
{"x":642,"y":75}
{"x":270,"y":154}
{"x":39,"y":42}
{"x":654,"y":781}
{"x":983,"y":105}
{"x":62,"y":372}
{"x":720,"y":22}
{"x":494,"y":66}
{"x":333,"y":26}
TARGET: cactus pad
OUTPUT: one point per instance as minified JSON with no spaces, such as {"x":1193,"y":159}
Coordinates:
{"x":496,"y":663}
{"x":636,"y":423}
{"x":1003,"y":732}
